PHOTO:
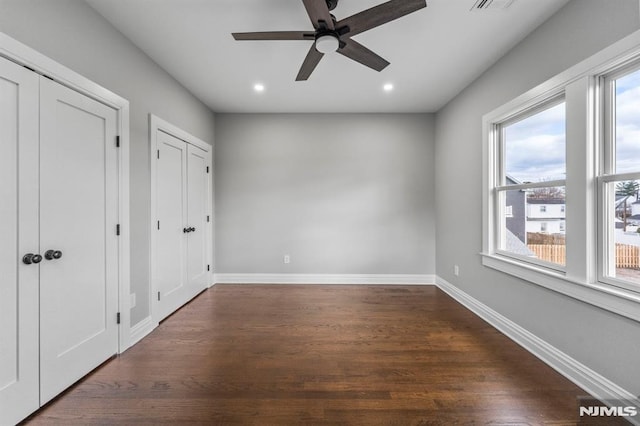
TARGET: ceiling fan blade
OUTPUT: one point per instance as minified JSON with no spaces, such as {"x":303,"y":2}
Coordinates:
{"x":359,"y":53}
{"x":318,"y":11}
{"x":379,"y":15}
{"x":275,"y":35}
{"x":309,"y":64}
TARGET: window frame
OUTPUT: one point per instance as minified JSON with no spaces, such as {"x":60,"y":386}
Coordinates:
{"x":582,"y":87}
{"x":500,"y":186}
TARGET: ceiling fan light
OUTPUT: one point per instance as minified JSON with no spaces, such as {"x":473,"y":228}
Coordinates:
{"x":327,"y":43}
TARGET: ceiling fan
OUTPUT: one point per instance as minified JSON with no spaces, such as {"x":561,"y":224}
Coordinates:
{"x":331,"y":35}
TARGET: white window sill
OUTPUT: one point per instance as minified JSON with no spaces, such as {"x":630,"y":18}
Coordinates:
{"x":619,"y":301}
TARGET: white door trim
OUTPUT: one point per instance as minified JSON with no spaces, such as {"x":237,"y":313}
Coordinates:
{"x":158,"y":124}
{"x":24,"y":55}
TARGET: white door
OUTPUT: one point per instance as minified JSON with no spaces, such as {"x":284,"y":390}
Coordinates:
{"x":171,"y":214}
{"x":198,"y":191}
{"x":78,"y":218}
{"x":18,"y":236}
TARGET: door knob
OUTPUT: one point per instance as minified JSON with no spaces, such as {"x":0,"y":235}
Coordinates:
{"x":185,"y":230}
{"x":192,"y":229}
{"x":30,"y":258}
{"x":52,"y":254}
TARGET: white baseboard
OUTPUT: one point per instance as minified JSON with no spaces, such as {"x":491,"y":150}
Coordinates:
{"x":584,"y":377}
{"x":141,"y":330}
{"x":388,"y":279}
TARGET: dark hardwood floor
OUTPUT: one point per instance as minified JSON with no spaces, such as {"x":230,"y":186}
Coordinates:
{"x":287,"y":355}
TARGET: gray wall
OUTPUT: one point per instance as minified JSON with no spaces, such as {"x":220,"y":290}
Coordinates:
{"x":603,"y":341}
{"x":349,"y":193}
{"x":73,"y":34}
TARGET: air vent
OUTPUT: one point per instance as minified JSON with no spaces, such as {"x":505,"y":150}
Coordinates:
{"x":491,"y":4}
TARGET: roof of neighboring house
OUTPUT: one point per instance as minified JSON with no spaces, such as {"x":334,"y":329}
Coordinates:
{"x":546,"y":201}
{"x":620,"y":199}
{"x":512,"y":181}
{"x":514,"y":245}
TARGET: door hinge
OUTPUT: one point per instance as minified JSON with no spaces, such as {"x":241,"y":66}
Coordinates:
{"x":118,"y":229}
{"x":118,"y":318}
{"x":208,"y":267}
{"x":117,"y":141}
{"x":207,"y":169}
{"x":158,"y":154}
{"x":158,"y":296}
{"x":208,"y":219}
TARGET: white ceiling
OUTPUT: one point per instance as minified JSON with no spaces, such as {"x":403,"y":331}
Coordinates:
{"x":434,"y":53}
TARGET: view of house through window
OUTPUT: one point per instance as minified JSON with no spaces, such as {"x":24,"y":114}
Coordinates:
{"x":624,"y":247}
{"x":534,"y":161}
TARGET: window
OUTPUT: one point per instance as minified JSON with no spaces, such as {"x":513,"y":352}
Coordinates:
{"x":568,"y":150}
{"x":620,"y":179}
{"x":531,"y":169}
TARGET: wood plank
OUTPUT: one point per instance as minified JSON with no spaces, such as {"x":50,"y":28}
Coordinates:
{"x":253,"y":354}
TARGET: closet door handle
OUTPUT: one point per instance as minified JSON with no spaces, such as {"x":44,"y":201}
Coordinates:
{"x":52,"y":254}
{"x":185,"y":230}
{"x":30,"y":258}
{"x":192,"y":229}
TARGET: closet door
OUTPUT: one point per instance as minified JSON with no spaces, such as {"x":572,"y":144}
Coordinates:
{"x":19,"y":236}
{"x":198,"y":191}
{"x":78,"y":218}
{"x":171,"y":237}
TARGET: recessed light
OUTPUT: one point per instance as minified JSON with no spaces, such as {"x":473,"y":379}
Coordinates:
{"x":258,"y":87}
{"x":387,"y":87}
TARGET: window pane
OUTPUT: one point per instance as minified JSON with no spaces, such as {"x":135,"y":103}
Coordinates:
{"x":529,"y":230}
{"x":624,"y":245}
{"x":627,"y":126}
{"x":534,"y":147}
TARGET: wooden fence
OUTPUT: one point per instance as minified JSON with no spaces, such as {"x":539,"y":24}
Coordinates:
{"x":627,"y":256}
{"x":554,"y":253}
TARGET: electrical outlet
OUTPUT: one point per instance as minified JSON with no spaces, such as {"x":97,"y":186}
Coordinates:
{"x":456,"y":270}
{"x":287,"y":258}
{"x":133,"y":300}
